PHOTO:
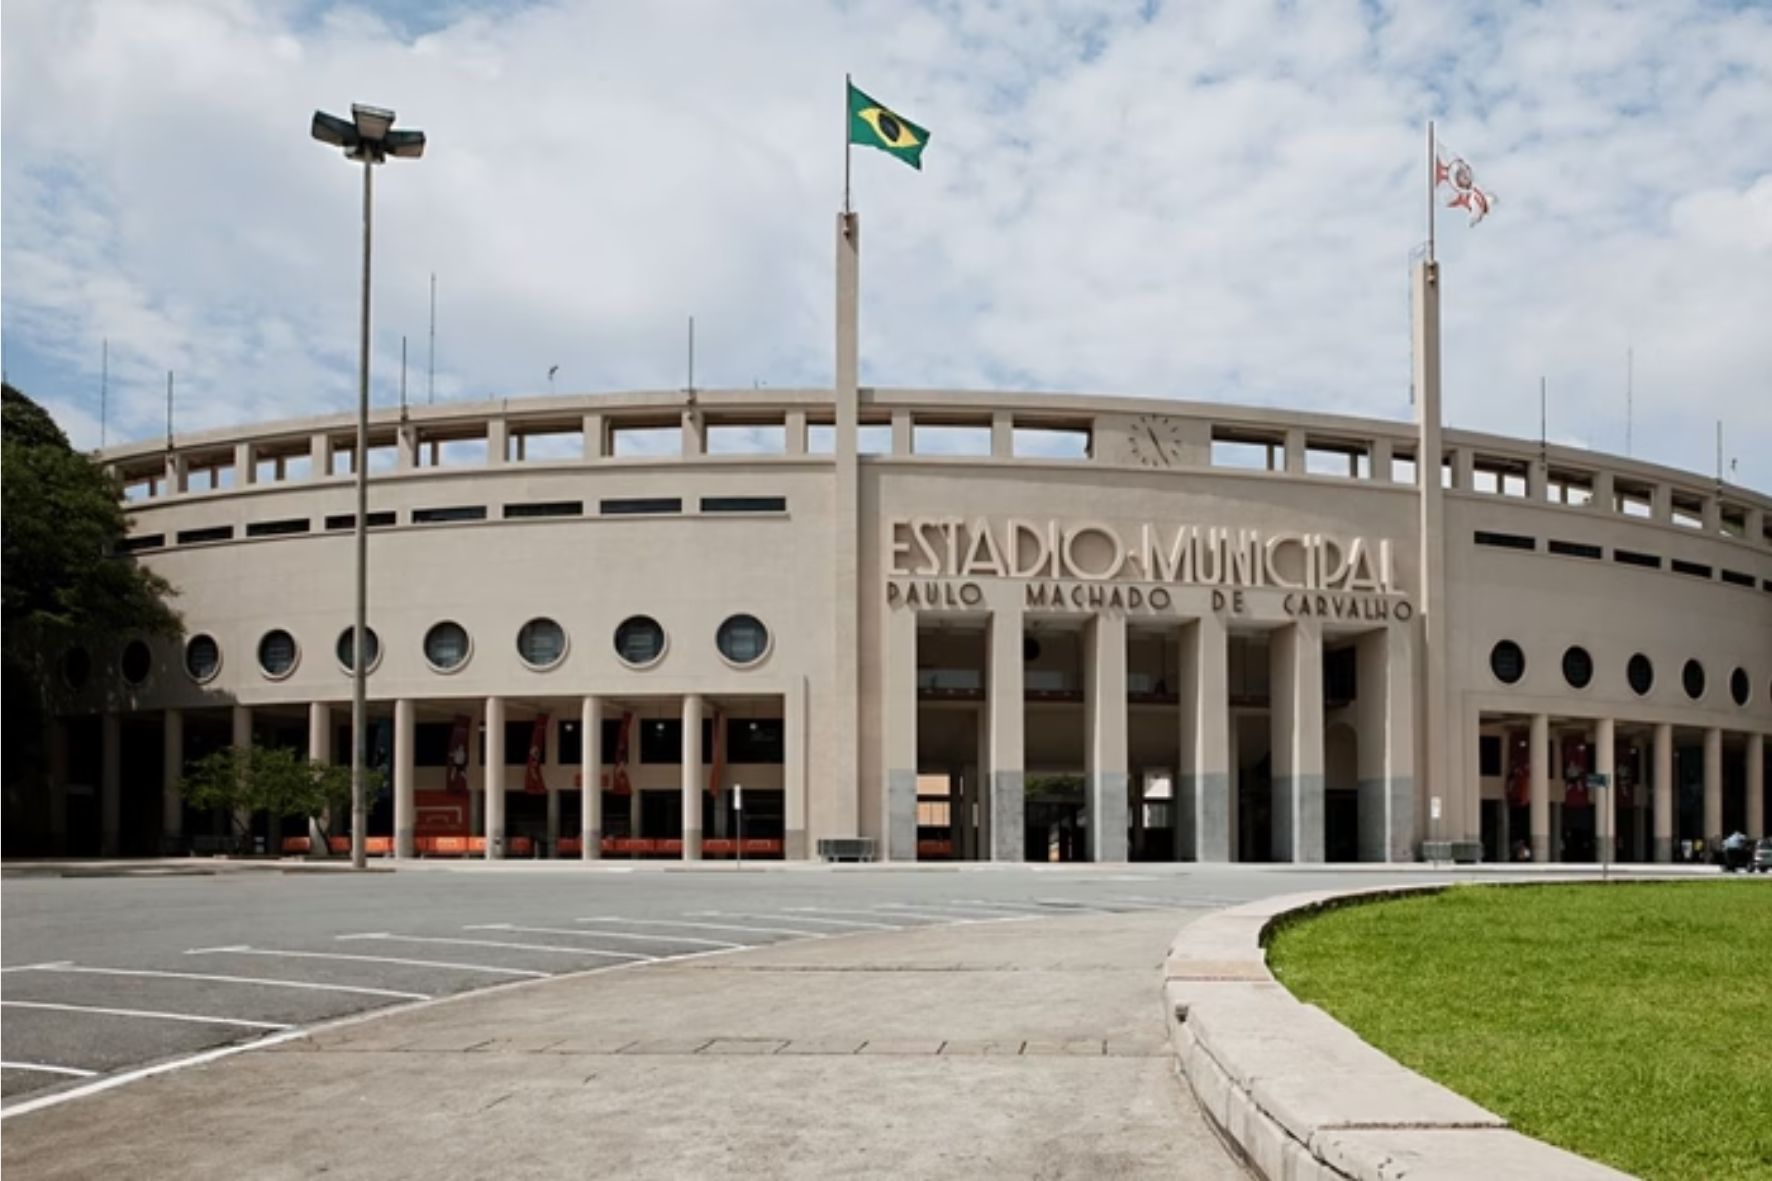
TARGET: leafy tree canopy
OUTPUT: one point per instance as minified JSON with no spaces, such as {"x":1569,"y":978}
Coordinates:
{"x":271,"y":779}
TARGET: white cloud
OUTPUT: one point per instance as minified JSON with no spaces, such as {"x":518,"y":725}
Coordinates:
{"x":1217,"y":202}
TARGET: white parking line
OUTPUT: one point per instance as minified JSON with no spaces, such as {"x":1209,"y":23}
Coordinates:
{"x":974,"y":909}
{"x":798,"y":918}
{"x":35,"y":967}
{"x":707,"y":926}
{"x":47,"y":1069}
{"x":577,"y":934}
{"x":242,"y":949}
{"x":192,"y":1018}
{"x":306,"y":984}
{"x":1032,"y":908}
{"x":542,"y":947}
{"x":951,"y":916}
{"x":876,"y":912}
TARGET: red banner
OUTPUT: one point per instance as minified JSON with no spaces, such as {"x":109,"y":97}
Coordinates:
{"x":1519,"y":768}
{"x":455,"y":766}
{"x":717,"y":772}
{"x":618,"y":777}
{"x":533,"y":783}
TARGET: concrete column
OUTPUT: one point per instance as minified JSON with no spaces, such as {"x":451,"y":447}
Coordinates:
{"x":1104,"y":692}
{"x":903,"y":440}
{"x":172,"y":769}
{"x":1713,"y":786}
{"x":1206,"y":777}
{"x":635,"y":813}
{"x":1006,"y":702}
{"x":245,"y":465}
{"x":694,"y":433}
{"x":176,"y":476}
{"x":590,"y":778}
{"x":495,"y":778}
{"x":1605,"y":497}
{"x":1664,"y":793}
{"x":110,"y":798}
{"x":593,"y":436}
{"x":1295,"y":446}
{"x":1538,"y":754}
{"x":1381,"y":461}
{"x":1755,"y":530}
{"x":794,"y":730}
{"x":795,"y":429}
{"x":405,"y":811}
{"x":692,"y":777}
{"x":1002,"y":435}
{"x":1712,"y":515}
{"x":319,"y":751}
{"x":319,"y":456}
{"x":553,"y":820}
{"x":1464,"y":470}
{"x":1384,"y":717}
{"x":1606,"y":802}
{"x":1296,"y":690}
{"x":477,"y":799}
{"x":840,"y":706}
{"x":496,"y":440}
{"x":240,"y":738}
{"x":898,"y":742}
{"x":1661,"y":504}
{"x":406,"y":447}
{"x":1537,"y":481}
{"x":1756,"y":785}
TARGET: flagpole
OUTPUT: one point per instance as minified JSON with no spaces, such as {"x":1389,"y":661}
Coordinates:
{"x":1431,"y":177}
{"x":847,"y":147}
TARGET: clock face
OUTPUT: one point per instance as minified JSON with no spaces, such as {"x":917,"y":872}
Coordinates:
{"x":1154,"y":441}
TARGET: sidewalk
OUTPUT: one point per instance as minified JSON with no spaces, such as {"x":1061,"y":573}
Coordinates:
{"x":1027,"y":1049}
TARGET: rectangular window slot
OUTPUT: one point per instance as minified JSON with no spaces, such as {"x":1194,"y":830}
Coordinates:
{"x":627,"y":442}
{"x":940,"y":439}
{"x":1506,"y":540}
{"x":1030,"y":442}
{"x":1696,"y":569}
{"x":130,"y":545}
{"x":380,"y":520}
{"x":545,"y":446}
{"x":1250,"y":456}
{"x":279,"y":528}
{"x":1737,"y":578}
{"x":734,"y":439}
{"x":1633,"y":558}
{"x":546,"y":508}
{"x":214,"y":533}
{"x":1575,"y":549}
{"x":435,"y":516}
{"x":744,"y":504}
{"x":640,"y":504}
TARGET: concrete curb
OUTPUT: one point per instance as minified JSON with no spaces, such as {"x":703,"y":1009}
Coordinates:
{"x":1304,"y":1098}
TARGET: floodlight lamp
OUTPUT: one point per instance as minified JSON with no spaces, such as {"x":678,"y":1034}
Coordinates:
{"x":408,"y":145}
{"x":372,"y":122}
{"x":330,"y":129}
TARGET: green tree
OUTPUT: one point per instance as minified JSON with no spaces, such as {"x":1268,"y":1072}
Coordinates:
{"x":64,"y":583}
{"x":271,"y":779}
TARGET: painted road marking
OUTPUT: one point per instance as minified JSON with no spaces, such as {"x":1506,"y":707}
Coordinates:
{"x":975,"y":909}
{"x":307,"y":984}
{"x":799,"y":918}
{"x":577,"y":934}
{"x":151,"y":1014}
{"x":44,"y":1067}
{"x":1032,"y":908}
{"x":943,"y":918}
{"x":708,"y":926}
{"x":242,"y":949}
{"x":455,"y":942}
{"x":36,"y":967}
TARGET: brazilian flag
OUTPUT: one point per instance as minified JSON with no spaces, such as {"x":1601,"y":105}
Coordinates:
{"x":876,"y":127}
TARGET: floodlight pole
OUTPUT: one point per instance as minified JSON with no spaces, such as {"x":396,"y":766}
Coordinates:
{"x":359,"y":661}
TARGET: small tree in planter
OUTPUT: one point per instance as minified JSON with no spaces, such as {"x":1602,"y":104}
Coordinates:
{"x":271,"y":779}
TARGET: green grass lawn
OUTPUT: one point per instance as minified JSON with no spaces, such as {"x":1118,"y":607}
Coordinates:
{"x":1631,"y":1023}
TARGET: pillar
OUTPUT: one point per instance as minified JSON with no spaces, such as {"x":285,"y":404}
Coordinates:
{"x":405,"y":812}
{"x":1296,"y":690}
{"x":1002,"y":435}
{"x":1295,"y":449}
{"x":692,"y":777}
{"x":1606,"y":803}
{"x":1756,"y":785}
{"x":795,"y":429}
{"x":406,"y":447}
{"x":477,"y":799}
{"x":1206,"y":738}
{"x":1006,"y":701}
{"x":496,"y":440}
{"x":172,"y":770}
{"x":1382,"y":457}
{"x":898,"y":719}
{"x":794,"y":730}
{"x":840,"y":705}
{"x":1713,"y":787}
{"x":1664,"y":793}
{"x":110,"y":797}
{"x":1384,"y":715}
{"x":319,"y":455}
{"x":240,"y":738}
{"x":319,"y":751}
{"x":495,"y":778}
{"x":1104,"y":691}
{"x":590,"y":779}
{"x":592,"y":429}
{"x":1538,"y":755}
{"x":246,"y":465}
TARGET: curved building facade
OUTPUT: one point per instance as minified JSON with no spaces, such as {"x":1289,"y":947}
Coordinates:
{"x":952,"y":625}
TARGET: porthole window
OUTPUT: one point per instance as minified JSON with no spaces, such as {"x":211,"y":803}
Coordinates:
{"x":76,"y":667}
{"x":1507,"y":662}
{"x":1692,"y":676}
{"x":447,"y":646}
{"x":347,"y":644}
{"x":1578,"y":667}
{"x":277,"y":653}
{"x":541,"y":643}
{"x":1030,"y":649}
{"x":1738,"y":686}
{"x":202,"y":658}
{"x":639,"y":641}
{"x":1641,"y":674}
{"x":137,"y":662}
{"x":743,"y":639}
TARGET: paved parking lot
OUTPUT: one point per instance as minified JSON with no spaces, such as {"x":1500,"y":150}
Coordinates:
{"x":105,"y":976}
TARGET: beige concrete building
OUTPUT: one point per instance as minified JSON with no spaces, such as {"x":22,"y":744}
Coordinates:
{"x":957,"y":625}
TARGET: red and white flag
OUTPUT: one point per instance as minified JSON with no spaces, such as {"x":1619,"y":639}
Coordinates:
{"x":1452,"y":171}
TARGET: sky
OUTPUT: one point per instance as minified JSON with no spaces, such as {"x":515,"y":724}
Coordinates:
{"x":1210,"y":201}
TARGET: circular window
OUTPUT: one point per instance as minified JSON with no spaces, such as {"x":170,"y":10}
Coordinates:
{"x":1030,"y":648}
{"x":1692,"y":676}
{"x":346,"y":647}
{"x":743,"y":639}
{"x":277,"y":653}
{"x":1507,"y":662}
{"x":1578,"y":667}
{"x":137,"y":662}
{"x":541,"y":643}
{"x":639,"y":640}
{"x":1641,"y":674}
{"x":447,"y":646}
{"x":76,"y":667}
{"x":202,"y":658}
{"x":1738,"y":686}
